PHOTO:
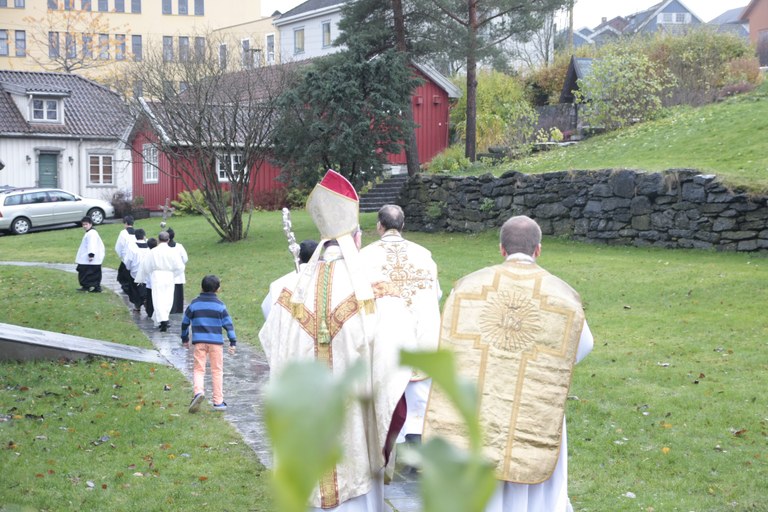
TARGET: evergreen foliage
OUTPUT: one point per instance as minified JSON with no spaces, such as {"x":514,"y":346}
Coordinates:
{"x":344,"y":114}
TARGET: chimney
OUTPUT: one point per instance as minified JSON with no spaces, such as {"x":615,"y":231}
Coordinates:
{"x":604,"y":19}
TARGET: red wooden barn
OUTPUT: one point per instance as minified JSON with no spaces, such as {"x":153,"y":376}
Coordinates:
{"x":155,"y":179}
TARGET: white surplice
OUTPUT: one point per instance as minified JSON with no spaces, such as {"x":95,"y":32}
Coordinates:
{"x":160,"y":267}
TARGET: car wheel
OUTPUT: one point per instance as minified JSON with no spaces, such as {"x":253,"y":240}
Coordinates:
{"x":96,"y":215}
{"x":20,"y":226}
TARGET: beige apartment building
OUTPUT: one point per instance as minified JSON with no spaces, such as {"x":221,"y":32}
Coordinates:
{"x":94,"y":38}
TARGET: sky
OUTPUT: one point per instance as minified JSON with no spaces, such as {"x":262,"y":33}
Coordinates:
{"x":586,"y":12}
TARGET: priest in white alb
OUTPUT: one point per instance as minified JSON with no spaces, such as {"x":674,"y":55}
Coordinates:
{"x":411,"y":267}
{"x":516,"y":331}
{"x":338,"y":314}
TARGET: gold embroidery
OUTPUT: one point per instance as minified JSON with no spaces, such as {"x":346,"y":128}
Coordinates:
{"x":385,"y":289}
{"x":403,"y":273}
{"x":510,"y":322}
{"x":305,"y":318}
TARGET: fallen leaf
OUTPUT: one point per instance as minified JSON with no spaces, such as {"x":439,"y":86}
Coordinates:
{"x":665,"y":450}
{"x":203,"y":478}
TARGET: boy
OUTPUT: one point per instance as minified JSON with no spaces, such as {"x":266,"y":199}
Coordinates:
{"x":207,"y":315}
{"x":89,"y":258}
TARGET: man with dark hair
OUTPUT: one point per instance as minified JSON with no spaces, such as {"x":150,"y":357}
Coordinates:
{"x":160,"y":267}
{"x":306,"y":249}
{"x":411,"y":267}
{"x":206,"y":317}
{"x":516,"y":331}
{"x":337,"y":314}
{"x":90,"y":256}
{"x":124,"y":240}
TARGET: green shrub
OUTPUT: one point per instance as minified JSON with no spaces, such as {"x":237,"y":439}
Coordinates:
{"x":505,"y":117}
{"x":623,"y":88}
{"x":189,"y":203}
{"x":451,"y":159}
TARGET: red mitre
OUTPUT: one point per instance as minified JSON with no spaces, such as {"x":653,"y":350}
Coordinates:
{"x":335,"y":182}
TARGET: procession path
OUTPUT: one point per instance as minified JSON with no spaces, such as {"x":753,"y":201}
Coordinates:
{"x":244,"y":376}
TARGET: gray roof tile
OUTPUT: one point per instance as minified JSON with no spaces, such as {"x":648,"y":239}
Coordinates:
{"x":90,"y":110}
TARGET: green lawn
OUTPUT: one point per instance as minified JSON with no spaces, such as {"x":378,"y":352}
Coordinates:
{"x":668,"y":407}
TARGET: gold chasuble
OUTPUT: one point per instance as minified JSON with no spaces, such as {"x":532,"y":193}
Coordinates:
{"x":514,"y":329}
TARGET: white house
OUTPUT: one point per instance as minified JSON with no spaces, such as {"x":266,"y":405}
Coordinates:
{"x":63,"y":130}
{"x":309,"y":29}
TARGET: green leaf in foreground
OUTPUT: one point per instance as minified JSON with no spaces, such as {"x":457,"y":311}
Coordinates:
{"x":304,"y":410}
{"x":441,"y":366}
{"x":472,"y":479}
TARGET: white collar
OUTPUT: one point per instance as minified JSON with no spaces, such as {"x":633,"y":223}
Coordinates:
{"x":520,"y":257}
{"x":392,"y":235}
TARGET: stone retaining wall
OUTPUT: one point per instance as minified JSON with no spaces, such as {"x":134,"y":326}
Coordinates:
{"x":677,"y":208}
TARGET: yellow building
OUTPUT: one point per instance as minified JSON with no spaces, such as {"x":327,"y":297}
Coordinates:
{"x":94,"y":38}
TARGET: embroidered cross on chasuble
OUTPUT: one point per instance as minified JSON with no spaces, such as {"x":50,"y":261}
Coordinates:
{"x":514,"y":329}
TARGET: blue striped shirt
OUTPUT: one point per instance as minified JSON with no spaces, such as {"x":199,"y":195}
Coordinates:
{"x":207,"y":315}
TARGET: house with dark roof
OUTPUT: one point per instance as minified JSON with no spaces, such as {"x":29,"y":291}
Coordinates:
{"x":309,"y":29}
{"x":667,"y":16}
{"x":730,"y":21}
{"x":63,"y":130}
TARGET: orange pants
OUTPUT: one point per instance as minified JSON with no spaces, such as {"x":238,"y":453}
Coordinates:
{"x":215,"y":356}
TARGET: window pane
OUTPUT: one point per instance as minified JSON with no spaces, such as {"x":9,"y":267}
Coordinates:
{"x":136,"y":47}
{"x":103,"y":7}
{"x":51,"y":110}
{"x":19,"y":4}
{"x":167,"y":48}
{"x":4,"y":42}
{"x":85,"y":5}
{"x":183,"y":9}
{"x":120,"y":47}
{"x":71,"y":46}
{"x":53,"y":4}
{"x":94,"y":169}
{"x":271,"y":48}
{"x":199,"y":48}
{"x":104,"y":46}
{"x":119,"y":5}
{"x":166,"y":6}
{"x":223,"y":56}
{"x":183,"y":48}
{"x":87,"y":46}
{"x":298,"y":41}
{"x":199,"y":7}
{"x":21,"y":43}
{"x":136,"y":6}
{"x":37,"y":109}
{"x":53,"y":45}
{"x":327,"y":33}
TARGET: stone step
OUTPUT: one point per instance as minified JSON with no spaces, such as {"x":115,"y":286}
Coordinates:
{"x":386,"y":192}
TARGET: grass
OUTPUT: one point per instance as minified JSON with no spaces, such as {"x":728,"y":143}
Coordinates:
{"x":670,"y":405}
{"x":729,"y":138}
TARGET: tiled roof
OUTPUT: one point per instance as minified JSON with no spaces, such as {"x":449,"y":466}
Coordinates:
{"x":729,"y":16}
{"x":90,"y":110}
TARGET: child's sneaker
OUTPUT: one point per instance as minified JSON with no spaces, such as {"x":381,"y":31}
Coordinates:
{"x":194,"y":405}
{"x":220,"y":407}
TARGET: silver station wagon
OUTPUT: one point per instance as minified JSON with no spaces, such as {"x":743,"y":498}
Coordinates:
{"x":21,"y":209}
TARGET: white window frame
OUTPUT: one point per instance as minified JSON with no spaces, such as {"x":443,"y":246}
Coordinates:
{"x":101,"y":165}
{"x":5,"y":46}
{"x":221,"y":165}
{"x":297,"y":50}
{"x":673,"y":18}
{"x":326,"y":24}
{"x":46,"y":108}
{"x":150,"y":162}
{"x":269,"y":48}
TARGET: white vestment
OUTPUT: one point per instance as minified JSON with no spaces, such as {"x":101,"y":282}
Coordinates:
{"x":124,"y":240}
{"x":134,"y":255}
{"x":91,"y":244}
{"x":351,"y":334}
{"x":161,"y":266}
{"x":411,"y":267}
